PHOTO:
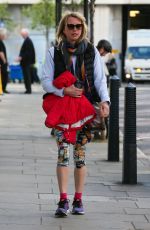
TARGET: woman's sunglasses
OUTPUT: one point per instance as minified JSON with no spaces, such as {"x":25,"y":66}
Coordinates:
{"x":74,"y":26}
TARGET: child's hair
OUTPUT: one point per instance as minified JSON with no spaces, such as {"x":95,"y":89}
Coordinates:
{"x":105,"y":45}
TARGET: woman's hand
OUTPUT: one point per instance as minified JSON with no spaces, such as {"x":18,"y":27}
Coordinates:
{"x":72,"y":91}
{"x":104,"y":109}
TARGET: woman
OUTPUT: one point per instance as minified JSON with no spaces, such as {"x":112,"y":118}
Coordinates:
{"x":74,"y":53}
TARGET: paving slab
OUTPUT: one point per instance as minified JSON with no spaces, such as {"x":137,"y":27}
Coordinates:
{"x":28,"y":182}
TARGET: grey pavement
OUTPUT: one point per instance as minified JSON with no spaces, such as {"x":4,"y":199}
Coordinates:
{"x":28,"y":185}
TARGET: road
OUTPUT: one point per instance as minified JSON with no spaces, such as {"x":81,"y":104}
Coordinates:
{"x":143,"y":115}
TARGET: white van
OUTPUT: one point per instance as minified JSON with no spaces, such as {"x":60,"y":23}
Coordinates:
{"x":137,"y":59}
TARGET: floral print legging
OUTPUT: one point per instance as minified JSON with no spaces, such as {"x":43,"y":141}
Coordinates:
{"x":82,"y":138}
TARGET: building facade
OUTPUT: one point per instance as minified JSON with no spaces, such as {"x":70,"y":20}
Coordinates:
{"x":112,"y":19}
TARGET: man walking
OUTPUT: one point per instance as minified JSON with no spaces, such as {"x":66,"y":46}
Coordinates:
{"x":27,"y":59}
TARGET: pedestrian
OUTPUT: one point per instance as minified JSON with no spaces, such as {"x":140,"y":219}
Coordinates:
{"x":26,"y":59}
{"x":3,"y":60}
{"x":74,"y":53}
{"x":105,"y":49}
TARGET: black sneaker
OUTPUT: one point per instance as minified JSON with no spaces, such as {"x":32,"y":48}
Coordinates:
{"x":5,"y":91}
{"x":63,"y":208}
{"x":53,"y":132}
{"x":77,"y":207}
{"x":27,"y":92}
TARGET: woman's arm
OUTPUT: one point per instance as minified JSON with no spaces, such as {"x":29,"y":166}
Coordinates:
{"x":48,"y":74}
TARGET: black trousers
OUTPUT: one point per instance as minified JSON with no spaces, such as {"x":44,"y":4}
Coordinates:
{"x":27,"y":77}
{"x":4,"y":76}
{"x":34,"y":76}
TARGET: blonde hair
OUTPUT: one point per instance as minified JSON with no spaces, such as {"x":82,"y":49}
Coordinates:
{"x":60,"y":34}
{"x":3,"y":31}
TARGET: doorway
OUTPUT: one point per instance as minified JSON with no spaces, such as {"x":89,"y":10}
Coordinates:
{"x":133,"y":17}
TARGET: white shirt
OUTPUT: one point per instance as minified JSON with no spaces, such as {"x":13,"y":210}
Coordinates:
{"x":99,"y":75}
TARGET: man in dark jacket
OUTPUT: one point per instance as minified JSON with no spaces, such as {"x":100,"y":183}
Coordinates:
{"x":3,"y":60}
{"x":27,"y":59}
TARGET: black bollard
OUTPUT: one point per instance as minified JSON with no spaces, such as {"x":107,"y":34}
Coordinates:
{"x":113,"y":130}
{"x":129,"y":142}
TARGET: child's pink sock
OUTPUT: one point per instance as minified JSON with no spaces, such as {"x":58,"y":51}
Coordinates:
{"x":78,"y":196}
{"x":63,"y":196}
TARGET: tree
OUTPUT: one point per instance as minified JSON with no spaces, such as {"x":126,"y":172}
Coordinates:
{"x":42,"y":16}
{"x":73,"y":5}
{"x":5,"y":19}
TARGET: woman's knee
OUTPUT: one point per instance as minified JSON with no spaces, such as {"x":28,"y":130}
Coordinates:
{"x":63,"y":159}
{"x":79,"y":155}
{"x":63,"y":154}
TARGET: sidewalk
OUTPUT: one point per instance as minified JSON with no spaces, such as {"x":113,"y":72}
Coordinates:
{"x":28,"y":185}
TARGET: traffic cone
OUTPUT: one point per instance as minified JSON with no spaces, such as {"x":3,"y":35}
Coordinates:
{"x":1,"y":90}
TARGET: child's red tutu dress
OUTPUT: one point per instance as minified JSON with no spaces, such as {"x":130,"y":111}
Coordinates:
{"x":67,"y":113}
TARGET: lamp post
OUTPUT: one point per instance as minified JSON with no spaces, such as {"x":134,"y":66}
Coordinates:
{"x":58,"y":4}
{"x":92,"y":10}
{"x":86,"y":10}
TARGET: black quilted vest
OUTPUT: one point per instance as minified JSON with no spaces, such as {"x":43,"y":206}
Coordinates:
{"x":89,"y":56}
